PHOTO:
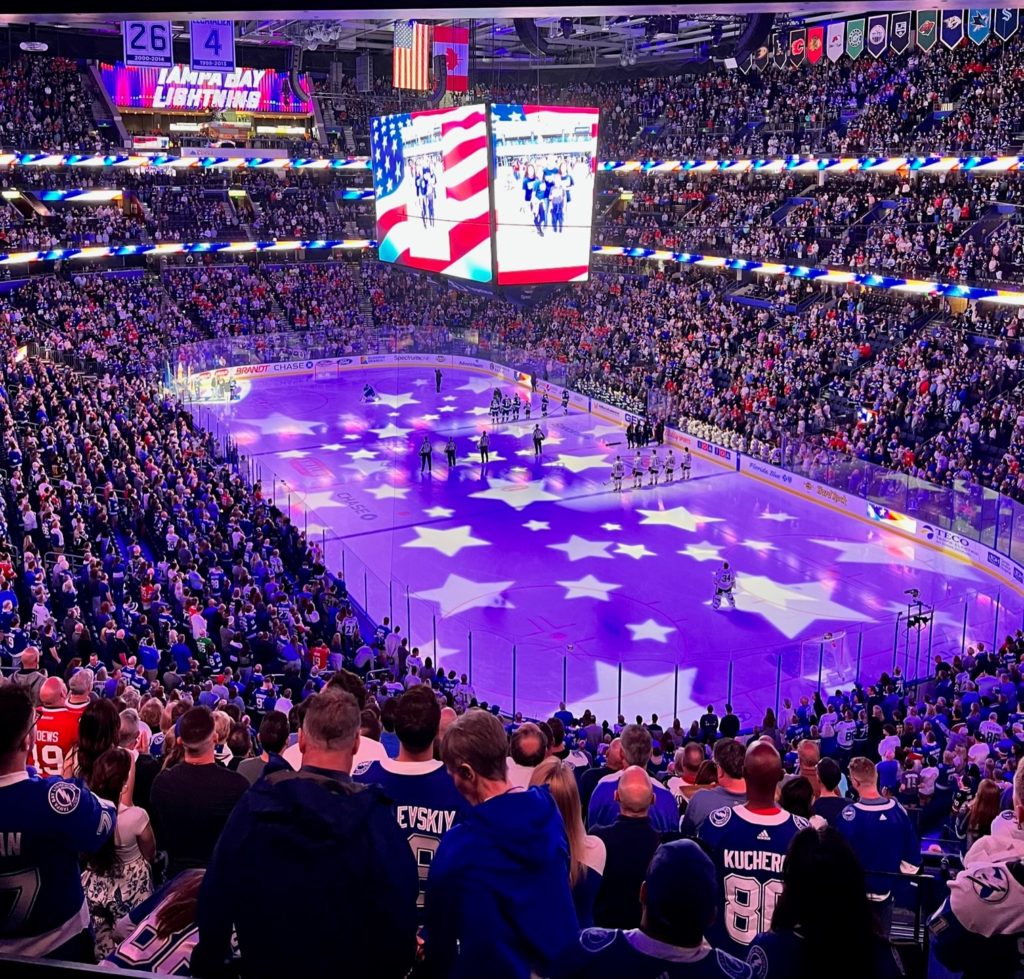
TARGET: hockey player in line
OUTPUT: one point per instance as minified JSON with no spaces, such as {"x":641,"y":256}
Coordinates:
{"x":449,"y":451}
{"x":725,"y":582}
{"x":517,"y":406}
{"x":618,"y":471}
{"x":638,"y":471}
{"x":544,"y":406}
{"x":670,"y":466}
{"x":654,"y":468}
{"x":538,"y":441}
{"x":527,"y":409}
{"x":495,"y":409}
{"x":565,"y":402}
{"x":686,"y":464}
{"x":506,"y":408}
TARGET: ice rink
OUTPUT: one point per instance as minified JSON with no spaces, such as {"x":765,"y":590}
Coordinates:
{"x":540,"y":579}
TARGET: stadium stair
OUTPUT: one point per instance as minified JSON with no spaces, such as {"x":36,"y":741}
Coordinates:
{"x":778,"y":216}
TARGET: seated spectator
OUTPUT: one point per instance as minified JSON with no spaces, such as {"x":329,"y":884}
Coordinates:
{"x":498,"y":899}
{"x":678,"y":897}
{"x":336,"y":842}
{"x":587,"y":854}
{"x":54,"y":821}
{"x":630,"y":841}
{"x":191,"y":800}
{"x":806,"y":931}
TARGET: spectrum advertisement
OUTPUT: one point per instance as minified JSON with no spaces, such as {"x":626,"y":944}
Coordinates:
{"x":182,"y":89}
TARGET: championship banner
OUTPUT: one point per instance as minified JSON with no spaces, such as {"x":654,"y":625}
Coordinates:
{"x":836,"y":40}
{"x":815,"y":44}
{"x":1007,"y":22}
{"x":855,"y":38}
{"x":779,"y":50}
{"x":927,"y":29}
{"x":951,"y":30}
{"x":878,"y":34}
{"x":899,"y":34}
{"x":797,"y":47}
{"x":979,"y":24}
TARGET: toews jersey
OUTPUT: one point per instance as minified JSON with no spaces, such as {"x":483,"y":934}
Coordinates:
{"x":748,"y":848}
{"x":56,"y":735}
{"x":44,"y":825}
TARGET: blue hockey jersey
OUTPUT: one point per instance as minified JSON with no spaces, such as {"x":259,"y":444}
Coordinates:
{"x":45,"y":823}
{"x":884,"y":839}
{"x":748,"y":849}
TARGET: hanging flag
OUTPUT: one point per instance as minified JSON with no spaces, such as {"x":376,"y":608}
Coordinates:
{"x":411,"y":63}
{"x":797,"y":47}
{"x":836,"y":40}
{"x":1007,"y":22}
{"x":927,"y":29}
{"x":779,"y":50}
{"x":951,"y":30}
{"x":979,"y":24}
{"x":899,"y":32}
{"x":760,"y":59}
{"x":452,"y":43}
{"x":745,"y":62}
{"x":855,"y":38}
{"x":878,"y":34}
{"x":815,"y":44}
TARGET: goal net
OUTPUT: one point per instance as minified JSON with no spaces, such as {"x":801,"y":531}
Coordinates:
{"x":828,"y":655}
{"x":325,"y":371}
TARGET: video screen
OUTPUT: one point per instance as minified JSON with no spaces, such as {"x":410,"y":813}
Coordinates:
{"x":430,"y":180}
{"x":545,"y":158}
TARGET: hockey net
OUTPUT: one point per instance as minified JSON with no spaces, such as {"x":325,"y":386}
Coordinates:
{"x":828,"y":653}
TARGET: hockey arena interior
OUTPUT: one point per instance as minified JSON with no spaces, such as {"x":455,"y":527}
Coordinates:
{"x":513,"y":492}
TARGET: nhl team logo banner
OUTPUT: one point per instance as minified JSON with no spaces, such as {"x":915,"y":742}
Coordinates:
{"x":760,"y":59}
{"x":979,"y":24}
{"x":878,"y":34}
{"x":836,"y":40}
{"x":1007,"y":22}
{"x":927,"y":29}
{"x":815,"y":44}
{"x":780,"y":50}
{"x":899,"y":32}
{"x":855,"y":38}
{"x":951,"y":30}
{"x":797,"y":47}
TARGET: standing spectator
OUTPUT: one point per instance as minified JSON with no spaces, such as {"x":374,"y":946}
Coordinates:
{"x":56,"y":728}
{"x":98,"y":730}
{"x":335,"y":842}
{"x":729,"y":726}
{"x":829,"y":803}
{"x":132,"y":738}
{"x":678,"y":900}
{"x":53,"y":821}
{"x":731,"y":789}
{"x":685,"y":765}
{"x":30,"y":676}
{"x":117,"y":877}
{"x":750,"y":839}
{"x":191,"y":801}
{"x":709,"y":725}
{"x":528,"y":748}
{"x":806,"y":931}
{"x":498,"y":900}
{"x":613,"y":762}
{"x":273,"y":737}
{"x":636,"y":751}
{"x":630,"y":840}
{"x":427,"y":804}
{"x":587,"y":854}
{"x":974,"y":820}
{"x":881,"y":834}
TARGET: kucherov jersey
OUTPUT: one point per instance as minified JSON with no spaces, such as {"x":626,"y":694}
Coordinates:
{"x":44,"y":825}
{"x":748,"y":849}
{"x":601,"y":953}
{"x":427,"y":804}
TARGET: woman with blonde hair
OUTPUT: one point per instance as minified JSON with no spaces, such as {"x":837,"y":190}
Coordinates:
{"x":587,"y":854}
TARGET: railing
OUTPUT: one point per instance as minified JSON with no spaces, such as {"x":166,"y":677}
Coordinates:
{"x":530,"y":674}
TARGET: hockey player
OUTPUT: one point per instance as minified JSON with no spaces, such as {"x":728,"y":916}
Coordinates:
{"x":654,"y":468}
{"x":686,"y":464}
{"x":527,"y":409}
{"x":369,"y":395}
{"x":538,"y":441}
{"x":449,"y":451}
{"x":618,"y":471}
{"x":506,"y":408}
{"x":544,"y":406}
{"x":517,"y":406}
{"x":725,"y":581}
{"x":565,"y":401}
{"x":638,"y":471}
{"x":670,"y":466}
{"x":495,"y":408}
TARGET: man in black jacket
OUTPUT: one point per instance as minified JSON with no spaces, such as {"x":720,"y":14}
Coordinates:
{"x":334,"y":842}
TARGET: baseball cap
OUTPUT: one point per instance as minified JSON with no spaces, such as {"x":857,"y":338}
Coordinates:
{"x":682,"y":887}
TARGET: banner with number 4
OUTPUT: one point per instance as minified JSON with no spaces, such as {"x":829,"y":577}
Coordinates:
{"x":213,"y":45}
{"x":148,"y":44}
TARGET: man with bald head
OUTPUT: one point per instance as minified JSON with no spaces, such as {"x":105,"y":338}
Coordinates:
{"x":56,"y":728}
{"x":613,"y":762}
{"x":30,"y":677}
{"x":630,"y":840}
{"x":748,"y":843}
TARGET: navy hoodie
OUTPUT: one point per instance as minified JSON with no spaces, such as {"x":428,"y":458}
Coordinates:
{"x":498,"y":901}
{"x":336,"y":848}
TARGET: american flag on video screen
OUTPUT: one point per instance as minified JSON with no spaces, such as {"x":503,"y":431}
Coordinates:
{"x":410,"y":66}
{"x":461,"y":236}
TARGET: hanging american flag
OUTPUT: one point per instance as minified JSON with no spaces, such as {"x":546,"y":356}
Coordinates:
{"x":430,"y":181}
{"x":411,"y":65}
